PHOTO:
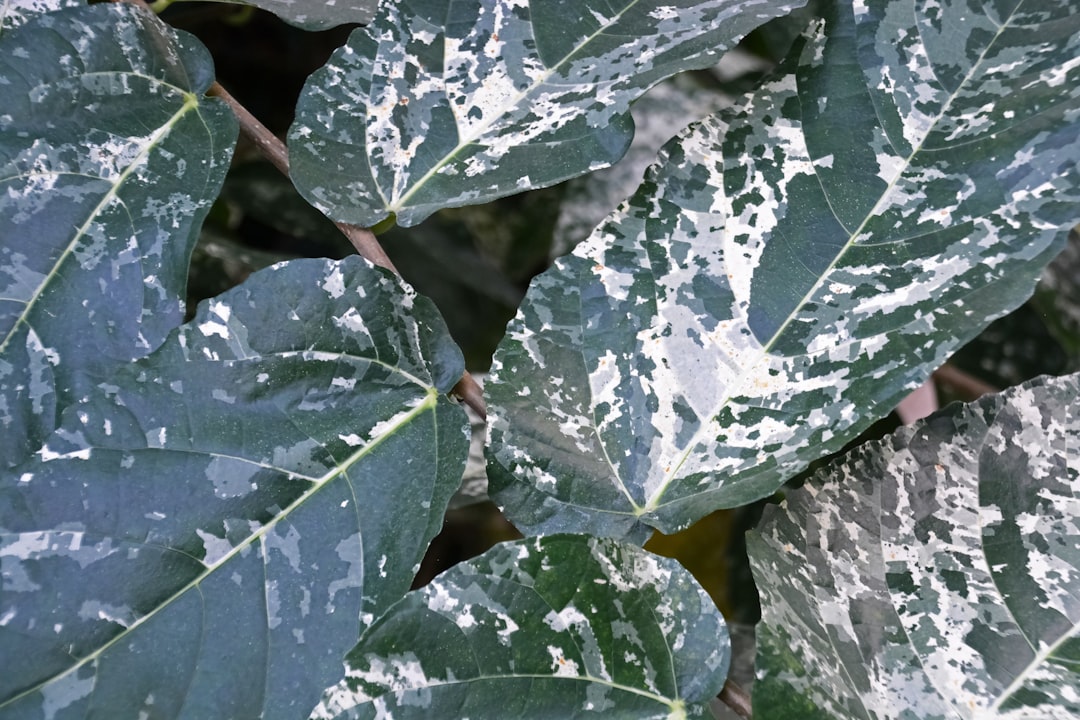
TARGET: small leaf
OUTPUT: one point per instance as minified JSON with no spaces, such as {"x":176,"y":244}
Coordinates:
{"x":208,"y":532}
{"x":440,"y":104}
{"x":776,"y":284}
{"x":936,"y":571}
{"x":505,"y":635}
{"x":109,"y":161}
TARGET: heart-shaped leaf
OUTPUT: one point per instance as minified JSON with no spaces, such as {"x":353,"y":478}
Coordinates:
{"x":505,"y":635}
{"x":440,"y":104}
{"x":788,"y":272}
{"x":208,"y":532}
{"x":109,"y":161}
{"x":937,"y":570}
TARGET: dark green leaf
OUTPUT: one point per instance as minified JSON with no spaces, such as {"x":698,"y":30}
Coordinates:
{"x":207,"y":533}
{"x":788,"y":272}
{"x":109,"y":160}
{"x":440,"y":104}
{"x":934,"y":574}
{"x":507,"y":636}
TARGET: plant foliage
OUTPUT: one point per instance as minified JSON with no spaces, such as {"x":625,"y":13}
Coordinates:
{"x":958,"y":540}
{"x":774,"y":286}
{"x":202,"y":520}
{"x":633,"y":637}
{"x":437,"y":105}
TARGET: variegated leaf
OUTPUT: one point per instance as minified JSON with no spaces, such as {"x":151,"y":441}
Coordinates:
{"x":208,"y":532}
{"x":662,"y":112}
{"x":934,"y":574}
{"x":109,"y":159}
{"x":786,"y":273}
{"x":505,"y":635}
{"x":15,"y":12}
{"x":440,"y":104}
{"x":317,"y":14}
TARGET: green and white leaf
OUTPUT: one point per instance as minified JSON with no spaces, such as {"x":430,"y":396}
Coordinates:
{"x":316,"y":14}
{"x":789,"y":271}
{"x":109,"y":159}
{"x":440,"y":104}
{"x":505,"y":635}
{"x":208,"y":532}
{"x":935,"y":572}
{"x":16,"y":12}
{"x":658,"y":115}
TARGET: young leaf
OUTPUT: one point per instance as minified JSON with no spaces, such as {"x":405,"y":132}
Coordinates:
{"x":937,"y":570}
{"x":787,"y":273}
{"x":109,"y":161}
{"x":207,"y":533}
{"x":505,"y":635}
{"x":440,"y":104}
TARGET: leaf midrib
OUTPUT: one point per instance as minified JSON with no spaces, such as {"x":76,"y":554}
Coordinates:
{"x":191,"y":102}
{"x":538,"y":676}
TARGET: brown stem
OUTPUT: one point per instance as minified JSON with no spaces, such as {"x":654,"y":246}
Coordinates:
{"x":736,"y":698}
{"x":268,"y":143}
{"x":275,"y":151}
{"x":367,"y":246}
{"x":970,"y":387}
{"x":471,"y":394}
{"x":361,"y":238}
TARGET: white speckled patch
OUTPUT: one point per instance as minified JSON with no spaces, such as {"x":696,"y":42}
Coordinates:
{"x":437,"y":104}
{"x":634,"y":636}
{"x":937,"y":570}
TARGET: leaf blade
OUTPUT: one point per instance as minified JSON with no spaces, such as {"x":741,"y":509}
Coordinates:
{"x":761,"y":299}
{"x":457,"y":104}
{"x":636,"y":635}
{"x":103,"y":157}
{"x":247,"y":480}
{"x":312,"y":15}
{"x":952,"y":546}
